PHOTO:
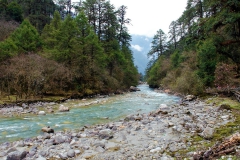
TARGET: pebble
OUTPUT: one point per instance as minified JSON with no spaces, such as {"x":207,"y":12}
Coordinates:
{"x":140,"y":136}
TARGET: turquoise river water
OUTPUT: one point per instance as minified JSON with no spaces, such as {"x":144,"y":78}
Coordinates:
{"x":113,"y":107}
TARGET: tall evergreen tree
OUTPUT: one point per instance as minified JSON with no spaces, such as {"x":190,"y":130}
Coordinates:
{"x":26,"y":38}
{"x":49,"y":34}
{"x":38,"y":12}
{"x":158,"y":44}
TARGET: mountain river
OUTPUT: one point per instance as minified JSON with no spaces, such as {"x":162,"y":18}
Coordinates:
{"x":107,"y":109}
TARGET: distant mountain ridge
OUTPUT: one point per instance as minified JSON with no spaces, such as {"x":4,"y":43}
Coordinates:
{"x":140,"y":46}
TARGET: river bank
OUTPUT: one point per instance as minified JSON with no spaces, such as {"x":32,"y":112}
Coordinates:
{"x":161,"y":134}
{"x":36,"y":107}
{"x":25,"y":109}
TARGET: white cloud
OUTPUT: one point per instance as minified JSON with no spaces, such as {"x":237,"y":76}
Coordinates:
{"x":146,"y":39}
{"x":137,"y":47}
{"x":149,"y":16}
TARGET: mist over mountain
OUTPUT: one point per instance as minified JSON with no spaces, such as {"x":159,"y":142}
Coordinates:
{"x":140,"y":46}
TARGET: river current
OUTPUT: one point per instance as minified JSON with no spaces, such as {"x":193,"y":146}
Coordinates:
{"x":108,"y":109}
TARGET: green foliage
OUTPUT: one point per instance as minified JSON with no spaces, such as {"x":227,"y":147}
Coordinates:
{"x":158,"y":71}
{"x":158,"y":46}
{"x":207,"y":60}
{"x":38,"y":12}
{"x":23,"y":40}
{"x":152,"y":76}
{"x":175,"y":59}
{"x":26,"y":38}
{"x":188,"y":83}
{"x":14,"y":12}
{"x":92,"y":49}
{"x":7,"y":49}
{"x":50,"y":32}
{"x":210,"y":28}
{"x":67,"y":42}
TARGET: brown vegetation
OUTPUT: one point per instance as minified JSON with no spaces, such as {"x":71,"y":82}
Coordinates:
{"x":6,"y":28}
{"x":29,"y":75}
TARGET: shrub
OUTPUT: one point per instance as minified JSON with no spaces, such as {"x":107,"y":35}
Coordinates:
{"x":226,"y":76}
{"x":189,"y":83}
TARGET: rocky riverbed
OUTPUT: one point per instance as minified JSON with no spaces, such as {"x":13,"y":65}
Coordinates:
{"x":42,"y":108}
{"x":160,"y":134}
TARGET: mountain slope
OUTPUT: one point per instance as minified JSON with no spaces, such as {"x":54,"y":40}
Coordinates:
{"x":140,"y":46}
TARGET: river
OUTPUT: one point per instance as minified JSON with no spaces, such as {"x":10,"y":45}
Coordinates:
{"x":108,"y":109}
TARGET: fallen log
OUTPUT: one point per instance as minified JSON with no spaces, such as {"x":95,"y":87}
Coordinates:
{"x":225,"y":148}
{"x":236,"y":93}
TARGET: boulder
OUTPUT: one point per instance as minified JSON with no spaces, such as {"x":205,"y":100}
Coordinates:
{"x":71,"y":153}
{"x":189,"y":98}
{"x":129,"y":118}
{"x":41,"y":158}
{"x":99,"y":144}
{"x":16,"y":155}
{"x":88,"y":154}
{"x":100,"y":149}
{"x":134,"y":89}
{"x":224,"y":106}
{"x":12,"y":150}
{"x":47,"y":130}
{"x":63,"y":155}
{"x":112,"y":146}
{"x":170,"y":124}
{"x":60,"y":139}
{"x":158,"y":149}
{"x":226,"y":117}
{"x":2,"y":154}
{"x":137,"y":118}
{"x":106,"y":134}
{"x":43,"y":153}
{"x":50,"y":110}
{"x":20,"y":144}
{"x":41,"y":113}
{"x":62,"y":108}
{"x":207,"y":133}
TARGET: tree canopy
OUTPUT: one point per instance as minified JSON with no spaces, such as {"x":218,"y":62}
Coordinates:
{"x":205,"y":35}
{"x":91,"y":45}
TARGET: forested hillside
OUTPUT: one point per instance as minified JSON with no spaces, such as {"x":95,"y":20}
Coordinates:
{"x":63,"y":48}
{"x":201,"y":52}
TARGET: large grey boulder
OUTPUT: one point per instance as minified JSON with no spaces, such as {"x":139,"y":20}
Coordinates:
{"x":207,"y":133}
{"x":134,"y":89}
{"x":62,"y":108}
{"x":189,"y":98}
{"x":47,"y":130}
{"x":16,"y":155}
{"x":41,"y":113}
{"x":60,"y":139}
{"x":106,"y":134}
{"x":71,"y":153}
{"x":2,"y":154}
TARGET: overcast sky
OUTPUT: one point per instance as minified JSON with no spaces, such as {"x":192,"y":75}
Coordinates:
{"x":148,"y":16}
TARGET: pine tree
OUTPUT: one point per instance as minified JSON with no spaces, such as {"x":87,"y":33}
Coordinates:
{"x":26,"y":38}
{"x":158,"y":44}
{"x":49,"y":34}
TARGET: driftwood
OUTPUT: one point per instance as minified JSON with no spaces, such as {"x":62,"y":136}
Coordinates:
{"x":237,"y":95}
{"x":225,"y":148}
